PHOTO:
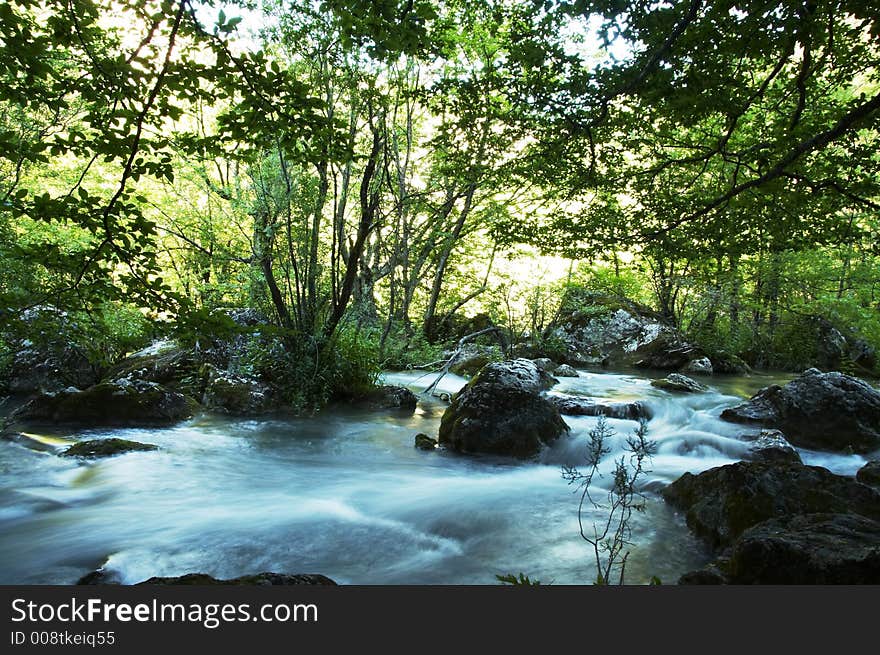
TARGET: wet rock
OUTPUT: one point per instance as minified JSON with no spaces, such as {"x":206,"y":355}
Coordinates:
{"x":668,"y":351}
{"x":679,"y":383}
{"x":545,"y":364}
{"x":824,"y":411}
{"x":237,"y":395}
{"x":728,"y":363}
{"x":722,"y":503}
{"x":870,"y":473}
{"x":502,"y":411}
{"x":100,"y":577}
{"x":772,"y":446}
{"x":822,"y":548}
{"x":700,"y":366}
{"x":167,"y":363}
{"x":424,"y":442}
{"x":831,"y":347}
{"x":577,"y":406}
{"x":259,"y":579}
{"x":109,"y":404}
{"x":469,"y":362}
{"x":387,"y":397}
{"x":106,"y":448}
{"x":710,"y":575}
{"x":863,"y":354}
{"x":609,"y":330}
{"x":565,"y":371}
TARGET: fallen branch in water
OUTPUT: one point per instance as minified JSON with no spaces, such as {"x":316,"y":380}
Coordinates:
{"x":459,"y":346}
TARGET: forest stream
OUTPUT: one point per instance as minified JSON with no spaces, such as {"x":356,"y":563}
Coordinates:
{"x":346,"y":494}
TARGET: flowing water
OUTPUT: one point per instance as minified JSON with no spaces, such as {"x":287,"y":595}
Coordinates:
{"x":346,"y":494}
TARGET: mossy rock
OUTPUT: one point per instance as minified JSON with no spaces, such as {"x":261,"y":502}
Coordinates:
{"x":106,"y":448}
{"x":424,"y":442}
{"x":109,"y":404}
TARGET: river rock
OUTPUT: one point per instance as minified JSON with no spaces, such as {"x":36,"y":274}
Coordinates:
{"x":260,"y":579}
{"x":723,"y":502}
{"x":609,"y":330}
{"x":700,"y":366}
{"x":109,"y":404}
{"x":387,"y":397}
{"x":870,"y":473}
{"x":502,"y":411}
{"x":578,"y":406}
{"x":824,"y":411}
{"x":565,"y":371}
{"x":680,"y":383}
{"x":822,"y":548}
{"x":106,"y":448}
{"x":468,"y":362}
{"x":44,"y":355}
{"x":772,"y":446}
{"x":238,"y":395}
{"x":424,"y":442}
{"x":669,"y":351}
{"x":724,"y":362}
{"x":545,"y":364}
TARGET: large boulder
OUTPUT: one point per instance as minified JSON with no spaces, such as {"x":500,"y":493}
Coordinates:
{"x":109,"y":404}
{"x":581,"y":406}
{"x":824,"y":411}
{"x":609,"y":330}
{"x":808,"y":549}
{"x":502,"y":411}
{"x":723,"y":502}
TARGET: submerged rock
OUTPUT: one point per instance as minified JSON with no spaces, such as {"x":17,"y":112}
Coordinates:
{"x":106,"y":448}
{"x":825,"y":411}
{"x":723,"y":502}
{"x":502,"y":411}
{"x":678,"y":382}
{"x":575,"y":406}
{"x":822,"y":548}
{"x":109,"y":404}
{"x":424,"y":442}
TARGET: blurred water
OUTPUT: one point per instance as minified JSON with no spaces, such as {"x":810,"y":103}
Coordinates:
{"x":346,"y":494}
